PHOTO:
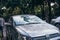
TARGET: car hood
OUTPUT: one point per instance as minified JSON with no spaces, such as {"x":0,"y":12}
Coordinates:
{"x":35,"y":30}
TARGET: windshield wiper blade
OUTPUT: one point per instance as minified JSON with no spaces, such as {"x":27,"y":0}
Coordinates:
{"x":34,"y":23}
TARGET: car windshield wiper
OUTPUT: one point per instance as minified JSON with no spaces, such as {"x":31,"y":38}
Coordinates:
{"x":34,"y":23}
{"x":29,"y":23}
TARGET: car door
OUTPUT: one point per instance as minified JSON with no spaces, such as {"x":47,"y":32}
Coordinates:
{"x":12,"y":32}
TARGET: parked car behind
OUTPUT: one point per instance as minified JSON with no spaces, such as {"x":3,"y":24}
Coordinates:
{"x":56,"y":22}
{"x":31,"y":27}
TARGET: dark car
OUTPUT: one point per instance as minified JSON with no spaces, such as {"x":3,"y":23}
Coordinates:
{"x":31,"y":27}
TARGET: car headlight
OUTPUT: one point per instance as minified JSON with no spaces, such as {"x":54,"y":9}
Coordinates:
{"x":26,"y":38}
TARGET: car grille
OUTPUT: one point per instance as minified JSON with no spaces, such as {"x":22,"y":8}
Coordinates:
{"x":40,"y":38}
{"x":47,"y":37}
{"x":54,"y":35}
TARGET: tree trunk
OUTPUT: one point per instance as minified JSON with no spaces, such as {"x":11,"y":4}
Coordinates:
{"x":50,"y":16}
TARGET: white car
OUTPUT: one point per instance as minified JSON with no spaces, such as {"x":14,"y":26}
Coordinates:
{"x":56,"y":22}
{"x":31,"y":27}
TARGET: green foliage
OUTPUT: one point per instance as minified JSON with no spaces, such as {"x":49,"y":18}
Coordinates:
{"x":16,"y":11}
{"x":37,"y":9}
{"x":14,"y":7}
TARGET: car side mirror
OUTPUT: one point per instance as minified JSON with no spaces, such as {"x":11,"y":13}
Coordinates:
{"x":7,"y":24}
